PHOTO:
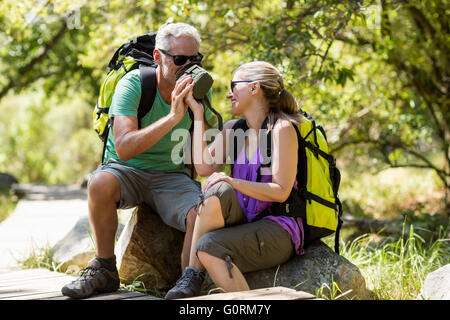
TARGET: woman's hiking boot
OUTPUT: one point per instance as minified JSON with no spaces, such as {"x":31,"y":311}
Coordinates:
{"x":188,"y":285}
{"x":97,"y":278}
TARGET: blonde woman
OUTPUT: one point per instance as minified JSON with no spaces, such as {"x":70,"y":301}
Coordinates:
{"x":226,"y":241}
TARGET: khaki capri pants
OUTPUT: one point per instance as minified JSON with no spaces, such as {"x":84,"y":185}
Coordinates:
{"x":250,"y":246}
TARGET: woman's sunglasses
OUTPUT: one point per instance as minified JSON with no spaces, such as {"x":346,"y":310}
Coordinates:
{"x":180,"y":60}
{"x":233,"y":83}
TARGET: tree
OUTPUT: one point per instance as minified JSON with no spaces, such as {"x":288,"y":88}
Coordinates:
{"x":63,"y":47}
{"x":409,"y":44}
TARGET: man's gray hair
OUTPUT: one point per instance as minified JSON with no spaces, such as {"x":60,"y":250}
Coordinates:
{"x":179,"y":29}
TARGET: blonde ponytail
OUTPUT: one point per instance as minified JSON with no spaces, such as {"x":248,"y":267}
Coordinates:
{"x":282,"y":103}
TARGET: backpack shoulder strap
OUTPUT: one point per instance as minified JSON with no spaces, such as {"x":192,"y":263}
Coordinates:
{"x":149,"y":87}
{"x":240,"y":124}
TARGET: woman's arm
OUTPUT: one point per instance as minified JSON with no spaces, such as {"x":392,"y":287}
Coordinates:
{"x":284,"y":168}
{"x":207,"y":159}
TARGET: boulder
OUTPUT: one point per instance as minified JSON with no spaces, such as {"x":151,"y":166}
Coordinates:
{"x":436,"y":285}
{"x":9,"y":184}
{"x":149,"y":251}
{"x":74,"y":251}
{"x":7,"y":180}
{"x":77,"y":248}
{"x":319,"y":267}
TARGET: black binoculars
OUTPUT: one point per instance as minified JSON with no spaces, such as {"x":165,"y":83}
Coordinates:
{"x":203,"y":82}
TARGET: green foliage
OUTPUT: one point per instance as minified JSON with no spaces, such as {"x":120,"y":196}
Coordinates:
{"x":396,"y":269}
{"x":45,"y":141}
{"x":41,"y":258}
{"x":8,"y":203}
{"x":331,"y":292}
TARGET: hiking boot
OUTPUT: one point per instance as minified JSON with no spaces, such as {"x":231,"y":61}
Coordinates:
{"x":188,"y":285}
{"x":93,"y":280}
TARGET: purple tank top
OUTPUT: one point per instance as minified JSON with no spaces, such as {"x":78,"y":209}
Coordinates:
{"x":248,"y":170}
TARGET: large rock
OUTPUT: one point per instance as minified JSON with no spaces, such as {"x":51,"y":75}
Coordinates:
{"x":7,"y":180}
{"x":319,"y":267}
{"x":77,"y":248}
{"x":436,"y":285}
{"x":148,"y":250}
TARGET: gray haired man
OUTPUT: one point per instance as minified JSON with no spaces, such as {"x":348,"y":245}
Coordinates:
{"x":138,"y":167}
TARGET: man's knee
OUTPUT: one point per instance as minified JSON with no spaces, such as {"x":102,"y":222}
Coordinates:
{"x":104,"y":186}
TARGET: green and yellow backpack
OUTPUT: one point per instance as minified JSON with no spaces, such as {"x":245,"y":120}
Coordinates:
{"x":315,"y":198}
{"x":135,"y":54}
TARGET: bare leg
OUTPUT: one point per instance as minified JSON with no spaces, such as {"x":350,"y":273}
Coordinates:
{"x":103,"y":195}
{"x":190,"y":222}
{"x":217,"y":270}
{"x":209,"y":218}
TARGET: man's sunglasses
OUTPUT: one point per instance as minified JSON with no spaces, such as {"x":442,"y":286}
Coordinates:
{"x":180,"y":60}
{"x":233,"y":83}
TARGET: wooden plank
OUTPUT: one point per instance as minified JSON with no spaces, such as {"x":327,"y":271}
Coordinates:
{"x":46,"y":284}
{"x":30,"y":274}
{"x":118,"y":295}
{"x":36,"y":284}
{"x":37,"y":296}
{"x":22,"y":274}
{"x":145,"y":297}
{"x":34,"y":278}
{"x":274,"y":293}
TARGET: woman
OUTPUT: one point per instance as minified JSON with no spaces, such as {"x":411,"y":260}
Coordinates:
{"x":226,"y":242}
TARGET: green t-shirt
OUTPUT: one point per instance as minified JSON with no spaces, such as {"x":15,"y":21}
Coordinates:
{"x":167,"y":153}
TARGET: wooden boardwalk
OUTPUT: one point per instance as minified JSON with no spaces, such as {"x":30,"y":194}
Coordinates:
{"x":42,"y":284}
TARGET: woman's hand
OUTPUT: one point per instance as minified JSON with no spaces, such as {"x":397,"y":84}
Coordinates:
{"x":194,"y":105}
{"x":216,"y":177}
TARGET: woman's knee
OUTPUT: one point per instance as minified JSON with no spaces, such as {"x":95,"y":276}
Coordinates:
{"x":214,"y":196}
{"x":221,"y":189}
{"x":204,"y":257}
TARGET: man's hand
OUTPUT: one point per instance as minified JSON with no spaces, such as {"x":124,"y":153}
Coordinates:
{"x":178,"y":107}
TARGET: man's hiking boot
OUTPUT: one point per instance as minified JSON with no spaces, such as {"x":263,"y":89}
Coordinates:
{"x":96,"y":278}
{"x":188,"y":285}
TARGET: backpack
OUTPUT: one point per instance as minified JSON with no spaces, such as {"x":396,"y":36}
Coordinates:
{"x":136,"y":54}
{"x":315,"y":199}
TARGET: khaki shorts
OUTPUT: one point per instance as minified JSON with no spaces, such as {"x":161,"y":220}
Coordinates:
{"x":169,"y":193}
{"x":250,"y":246}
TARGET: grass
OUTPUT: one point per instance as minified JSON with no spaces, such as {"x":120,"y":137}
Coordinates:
{"x":8,"y":203}
{"x":395,"y":269}
{"x":41,"y":258}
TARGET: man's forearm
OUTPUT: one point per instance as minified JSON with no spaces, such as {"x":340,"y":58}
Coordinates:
{"x":134,"y":142}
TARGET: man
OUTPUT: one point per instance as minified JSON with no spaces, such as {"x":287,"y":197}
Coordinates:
{"x":138,"y":166}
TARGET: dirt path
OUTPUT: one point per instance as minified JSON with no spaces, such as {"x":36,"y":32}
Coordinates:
{"x":41,"y":218}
